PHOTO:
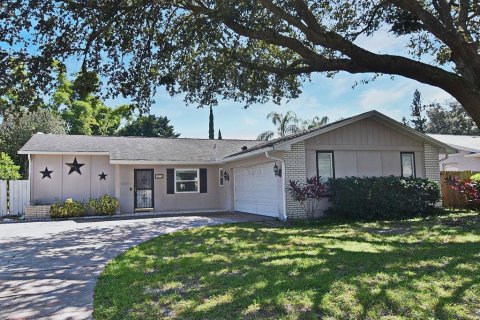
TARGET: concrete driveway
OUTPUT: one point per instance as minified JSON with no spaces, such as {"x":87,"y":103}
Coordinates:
{"x":48,"y":269}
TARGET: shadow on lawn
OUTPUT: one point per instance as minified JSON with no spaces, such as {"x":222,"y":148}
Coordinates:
{"x":336,"y":271}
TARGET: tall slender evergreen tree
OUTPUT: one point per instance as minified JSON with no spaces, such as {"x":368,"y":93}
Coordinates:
{"x":219,"y":135}
{"x":211,"y":130}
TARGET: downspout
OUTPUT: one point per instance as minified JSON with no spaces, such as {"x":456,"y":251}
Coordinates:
{"x":30,"y":178}
{"x":443,"y":164}
{"x":284,"y":200}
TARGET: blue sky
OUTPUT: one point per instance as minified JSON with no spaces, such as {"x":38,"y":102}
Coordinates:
{"x":332,"y":97}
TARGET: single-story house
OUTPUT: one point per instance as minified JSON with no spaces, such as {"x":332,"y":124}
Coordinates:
{"x":467,"y":156}
{"x":193,"y":175}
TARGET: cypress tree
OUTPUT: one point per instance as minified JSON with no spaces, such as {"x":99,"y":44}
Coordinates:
{"x":219,"y":134}
{"x":211,"y":130}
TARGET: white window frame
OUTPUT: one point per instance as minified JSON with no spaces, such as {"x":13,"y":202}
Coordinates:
{"x":221,"y":179}
{"x":197,"y":180}
{"x":414,"y":169}
{"x":332,"y":162}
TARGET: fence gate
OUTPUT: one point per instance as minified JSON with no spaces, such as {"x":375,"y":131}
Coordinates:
{"x":19,"y":192}
{"x":3,"y":197}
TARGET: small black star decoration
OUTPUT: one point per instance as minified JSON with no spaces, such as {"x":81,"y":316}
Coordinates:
{"x":75,"y":166}
{"x":103,"y":176}
{"x":46,"y":173}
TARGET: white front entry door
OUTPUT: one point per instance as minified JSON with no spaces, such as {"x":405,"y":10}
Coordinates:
{"x":257,"y":190}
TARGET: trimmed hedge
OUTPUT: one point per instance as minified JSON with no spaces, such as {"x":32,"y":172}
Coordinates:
{"x":382,"y":198}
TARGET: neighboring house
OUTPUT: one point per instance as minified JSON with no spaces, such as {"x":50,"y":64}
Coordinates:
{"x":194,"y":175}
{"x":467,"y":157}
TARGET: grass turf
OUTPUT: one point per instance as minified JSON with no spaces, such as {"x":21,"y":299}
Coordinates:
{"x":420,"y":268}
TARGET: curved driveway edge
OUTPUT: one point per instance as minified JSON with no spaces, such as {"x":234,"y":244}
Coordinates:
{"x":48,"y":270}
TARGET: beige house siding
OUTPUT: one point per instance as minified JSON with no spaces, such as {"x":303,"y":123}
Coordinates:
{"x":170,"y":202}
{"x":364,"y":148}
{"x":368,"y":148}
{"x":62,"y":185}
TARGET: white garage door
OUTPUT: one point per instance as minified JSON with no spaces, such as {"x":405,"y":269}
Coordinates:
{"x":256,"y":190}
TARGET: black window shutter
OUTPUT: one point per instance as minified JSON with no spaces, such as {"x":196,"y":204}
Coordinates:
{"x":203,"y":180}
{"x":170,"y":181}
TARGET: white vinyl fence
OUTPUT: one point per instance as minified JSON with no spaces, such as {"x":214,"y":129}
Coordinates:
{"x":17,"y":195}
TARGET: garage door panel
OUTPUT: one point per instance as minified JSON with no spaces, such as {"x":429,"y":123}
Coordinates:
{"x":256,"y":190}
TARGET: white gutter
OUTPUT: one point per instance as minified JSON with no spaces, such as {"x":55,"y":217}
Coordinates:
{"x":473,"y":155}
{"x":284,"y":204}
{"x":246,"y":155}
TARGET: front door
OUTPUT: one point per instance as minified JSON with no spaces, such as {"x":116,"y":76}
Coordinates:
{"x":143,"y":189}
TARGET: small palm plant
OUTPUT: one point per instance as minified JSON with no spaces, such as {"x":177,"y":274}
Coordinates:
{"x":286,"y":124}
{"x":289,"y":123}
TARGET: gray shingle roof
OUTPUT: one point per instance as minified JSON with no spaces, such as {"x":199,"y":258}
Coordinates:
{"x":138,"y":148}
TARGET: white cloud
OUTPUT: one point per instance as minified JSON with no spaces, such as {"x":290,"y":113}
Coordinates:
{"x":376,"y":98}
{"x":383,"y":42}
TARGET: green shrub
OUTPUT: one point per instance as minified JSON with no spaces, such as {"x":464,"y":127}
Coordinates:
{"x":67,"y":209}
{"x":382,"y":198}
{"x":475,"y":178}
{"x":104,"y":206}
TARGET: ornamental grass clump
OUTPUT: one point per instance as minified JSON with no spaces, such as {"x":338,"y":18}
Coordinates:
{"x":308,"y":194}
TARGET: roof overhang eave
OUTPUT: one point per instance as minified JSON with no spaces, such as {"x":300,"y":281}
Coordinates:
{"x":164,"y":162}
{"x":86,"y":153}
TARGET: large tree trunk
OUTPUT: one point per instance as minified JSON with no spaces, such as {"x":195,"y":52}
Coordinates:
{"x":471,"y":102}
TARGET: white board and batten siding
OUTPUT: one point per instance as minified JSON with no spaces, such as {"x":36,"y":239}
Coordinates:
{"x":3,"y":197}
{"x":256,"y":190}
{"x":365,"y":148}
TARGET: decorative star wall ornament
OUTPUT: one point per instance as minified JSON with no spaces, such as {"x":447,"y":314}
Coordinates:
{"x":46,"y":173}
{"x":103,"y":176}
{"x":75,"y":166}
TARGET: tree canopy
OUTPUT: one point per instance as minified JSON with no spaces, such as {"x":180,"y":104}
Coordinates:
{"x":248,"y":51}
{"x":450,"y":119}
{"x":149,"y":126}
{"x":8,"y":168}
{"x":84,"y":112}
{"x":16,"y":131}
{"x":440,"y":118}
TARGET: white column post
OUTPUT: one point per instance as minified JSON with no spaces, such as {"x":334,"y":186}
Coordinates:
{"x":117,"y":185}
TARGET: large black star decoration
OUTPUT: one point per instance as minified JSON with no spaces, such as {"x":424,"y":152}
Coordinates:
{"x":103,"y":176}
{"x":46,"y":173}
{"x":75,"y":166}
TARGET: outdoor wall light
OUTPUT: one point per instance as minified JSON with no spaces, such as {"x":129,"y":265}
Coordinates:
{"x":277,"y":171}
{"x":226,"y":176}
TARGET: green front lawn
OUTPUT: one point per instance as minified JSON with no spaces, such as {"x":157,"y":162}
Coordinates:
{"x":421,"y":269}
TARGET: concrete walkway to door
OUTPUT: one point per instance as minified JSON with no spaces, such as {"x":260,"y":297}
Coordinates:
{"x":48,"y":269}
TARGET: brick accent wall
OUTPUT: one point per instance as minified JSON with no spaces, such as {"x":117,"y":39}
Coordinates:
{"x":432,"y":170}
{"x":295,"y":169}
